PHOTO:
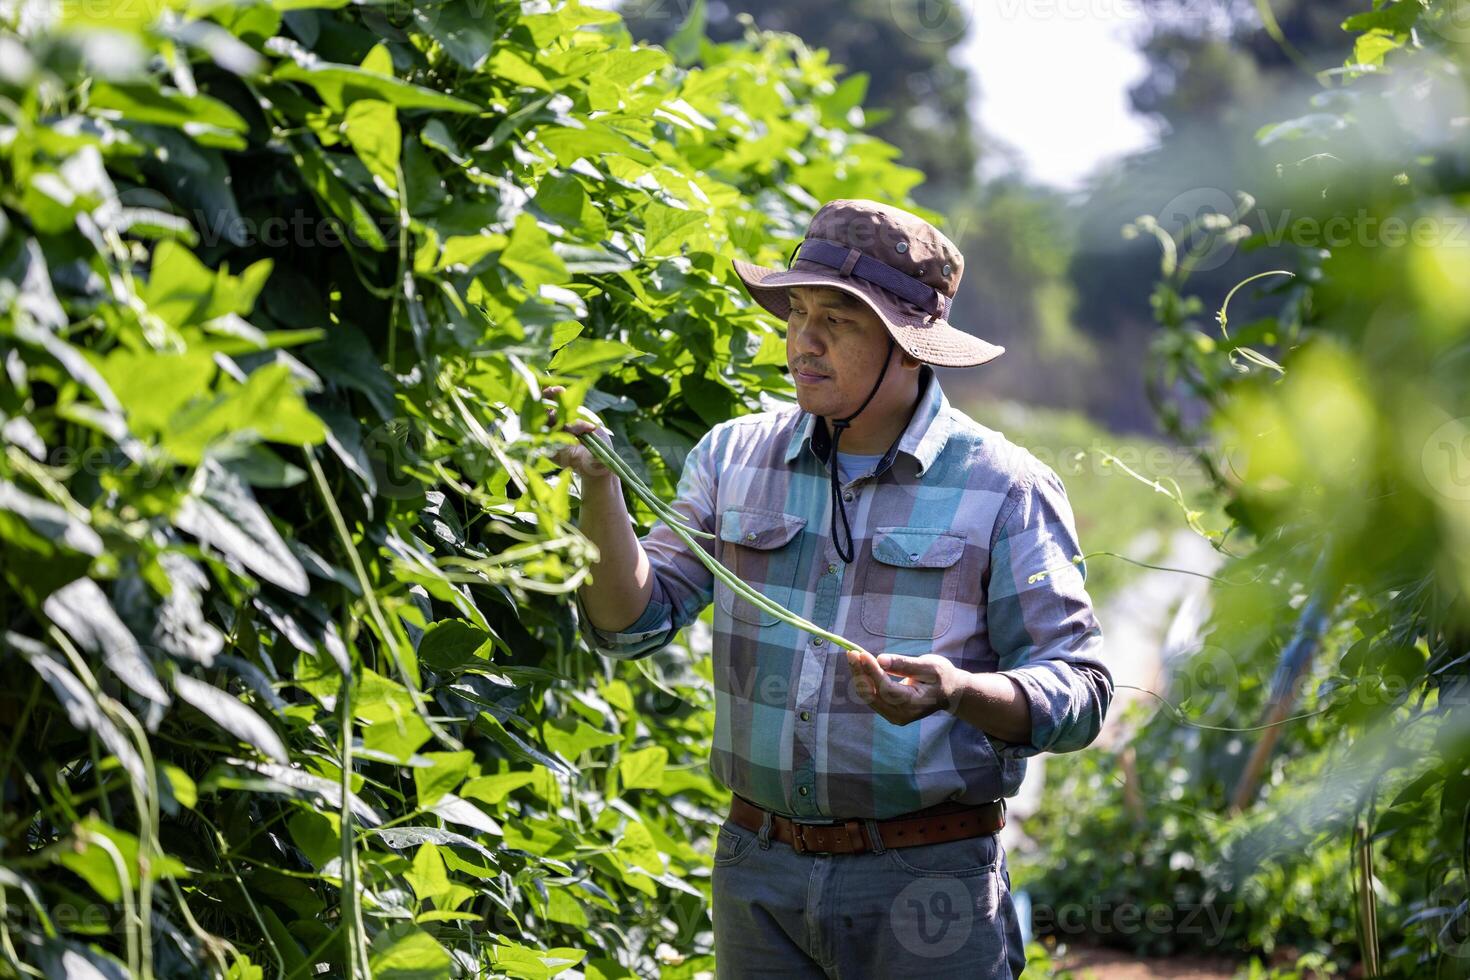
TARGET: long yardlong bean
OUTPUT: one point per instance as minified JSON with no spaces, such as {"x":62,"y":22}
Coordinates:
{"x":624,"y":472}
{"x":616,"y":463}
{"x":603,"y":453}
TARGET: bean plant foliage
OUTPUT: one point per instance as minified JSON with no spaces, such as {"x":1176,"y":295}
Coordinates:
{"x":289,"y":678}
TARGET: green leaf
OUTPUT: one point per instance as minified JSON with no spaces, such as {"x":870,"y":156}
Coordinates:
{"x":182,"y":290}
{"x":453,"y":644}
{"x":323,"y":177}
{"x":562,"y":907}
{"x":82,"y":610}
{"x":285,"y":943}
{"x":208,"y":120}
{"x":516,"y":960}
{"x":318,"y":835}
{"x":427,"y":877}
{"x":583,"y":357}
{"x":180,"y":785}
{"x":393,"y":728}
{"x":507,"y":64}
{"x":40,"y":525}
{"x":1370,"y":48}
{"x":466,"y":31}
{"x":372,"y":128}
{"x":405,"y":952}
{"x":590,"y":140}
{"x":153,"y":386}
{"x":494,"y":789}
{"x":530,"y":256}
{"x":399,"y":838}
{"x":93,"y":862}
{"x":1398,"y":17}
{"x":643,"y":769}
{"x":233,"y":716}
{"x":340,"y":85}
{"x":268,"y":406}
{"x":464,"y":813}
{"x":222,"y":513}
{"x":447,"y":772}
{"x":667,"y":229}
{"x":569,"y":738}
{"x":638,"y":848}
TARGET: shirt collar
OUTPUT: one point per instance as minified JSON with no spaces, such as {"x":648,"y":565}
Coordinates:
{"x":923,"y":438}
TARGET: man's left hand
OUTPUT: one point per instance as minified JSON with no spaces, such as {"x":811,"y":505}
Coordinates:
{"x":928,"y":684}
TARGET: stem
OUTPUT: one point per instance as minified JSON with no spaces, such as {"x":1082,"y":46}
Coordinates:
{"x":1222,"y":316}
{"x":352,"y":926}
{"x":14,"y":739}
{"x":370,"y":596}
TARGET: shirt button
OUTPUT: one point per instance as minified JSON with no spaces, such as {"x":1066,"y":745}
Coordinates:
{"x":913,"y":557}
{"x":832,"y":568}
{"x":847,"y":496}
{"x":818,"y":642}
{"x":750,"y":536}
{"x":806,"y":716}
{"x":802,"y":790}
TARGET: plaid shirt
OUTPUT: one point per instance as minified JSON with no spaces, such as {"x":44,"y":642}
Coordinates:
{"x":948,"y":531}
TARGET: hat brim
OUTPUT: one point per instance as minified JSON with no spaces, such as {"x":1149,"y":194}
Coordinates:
{"x":934,"y":342}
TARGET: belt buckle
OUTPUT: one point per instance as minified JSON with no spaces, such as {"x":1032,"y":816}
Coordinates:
{"x":798,"y":834}
{"x":798,"y":831}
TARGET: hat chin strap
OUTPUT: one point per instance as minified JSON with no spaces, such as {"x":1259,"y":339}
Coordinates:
{"x":838,"y":425}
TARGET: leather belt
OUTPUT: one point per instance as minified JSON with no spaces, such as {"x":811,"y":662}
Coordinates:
{"x":933,"y":825}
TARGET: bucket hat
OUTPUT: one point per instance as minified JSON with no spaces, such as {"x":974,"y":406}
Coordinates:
{"x":905,"y":269}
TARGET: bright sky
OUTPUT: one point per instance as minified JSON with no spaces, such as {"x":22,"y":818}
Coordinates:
{"x":1052,"y":79}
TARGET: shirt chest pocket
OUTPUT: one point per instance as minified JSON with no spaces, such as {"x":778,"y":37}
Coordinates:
{"x":763,"y":549}
{"x":909,"y":584}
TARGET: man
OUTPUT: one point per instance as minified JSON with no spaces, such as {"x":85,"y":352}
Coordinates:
{"x":869,"y":787}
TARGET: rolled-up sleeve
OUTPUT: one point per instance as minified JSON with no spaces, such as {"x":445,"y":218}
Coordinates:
{"x":1043,"y":627}
{"x":682,"y":584}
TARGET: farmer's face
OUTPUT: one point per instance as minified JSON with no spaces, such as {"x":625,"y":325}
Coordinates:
{"x":836,"y":335}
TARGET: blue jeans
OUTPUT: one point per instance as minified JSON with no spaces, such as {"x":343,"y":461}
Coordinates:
{"x":933,"y":911}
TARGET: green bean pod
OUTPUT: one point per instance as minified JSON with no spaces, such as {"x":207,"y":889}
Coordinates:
{"x":614,"y":462}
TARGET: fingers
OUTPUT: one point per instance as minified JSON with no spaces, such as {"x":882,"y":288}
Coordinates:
{"x":908,"y":666}
{"x":868,"y":677}
{"x":576,"y":426}
{"x":865,"y":666}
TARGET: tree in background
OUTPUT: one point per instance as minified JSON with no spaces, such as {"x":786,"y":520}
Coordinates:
{"x":1216,"y":74}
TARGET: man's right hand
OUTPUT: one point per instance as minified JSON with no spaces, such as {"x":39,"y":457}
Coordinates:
{"x":578,"y":457}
